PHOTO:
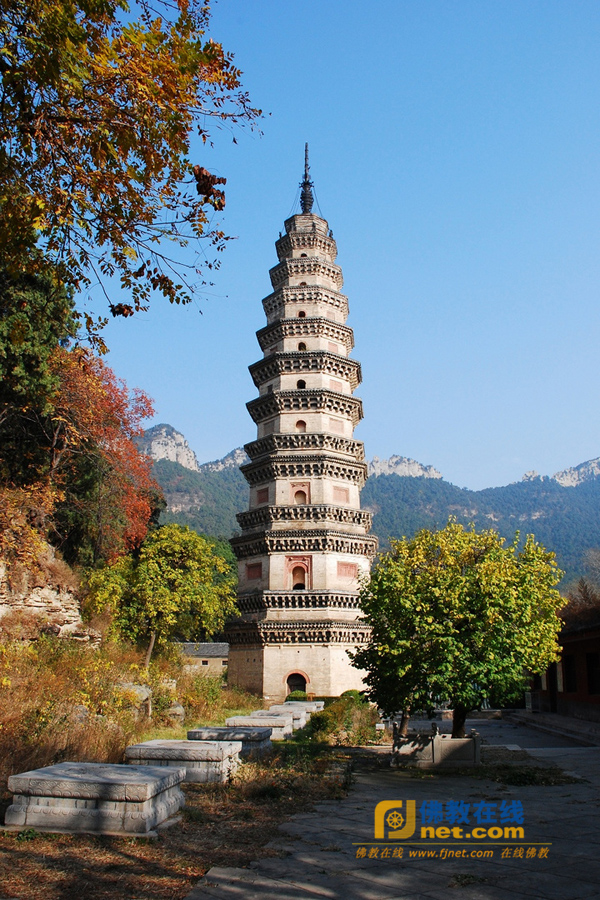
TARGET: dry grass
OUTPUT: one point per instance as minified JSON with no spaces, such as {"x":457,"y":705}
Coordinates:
{"x":63,"y":701}
{"x":223,"y":825}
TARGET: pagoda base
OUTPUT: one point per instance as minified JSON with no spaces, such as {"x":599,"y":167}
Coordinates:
{"x":265,"y":670}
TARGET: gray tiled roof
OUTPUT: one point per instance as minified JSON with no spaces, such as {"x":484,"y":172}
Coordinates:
{"x":212,"y":649}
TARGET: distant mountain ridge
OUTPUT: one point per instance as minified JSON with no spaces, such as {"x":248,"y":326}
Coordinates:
{"x":563,"y":511}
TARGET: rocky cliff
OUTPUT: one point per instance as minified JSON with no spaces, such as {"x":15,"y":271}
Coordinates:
{"x":163,"y":442}
{"x":403,"y":466}
{"x":586,"y":471}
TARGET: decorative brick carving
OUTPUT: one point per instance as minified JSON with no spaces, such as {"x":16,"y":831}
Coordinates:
{"x":298,"y":267}
{"x":263,"y":600}
{"x":312,"y":541}
{"x":321,"y":513}
{"x":325,"y":362}
{"x":271,"y":335}
{"x":259,"y":634}
{"x":313,"y":241}
{"x":307,"y":441}
{"x":276,"y":302}
{"x":305,"y":466}
{"x":316,"y":400}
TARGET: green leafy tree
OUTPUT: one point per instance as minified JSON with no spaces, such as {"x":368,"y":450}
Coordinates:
{"x":36,"y":315}
{"x":458,"y":616}
{"x":176,"y":585}
{"x":98,"y":101}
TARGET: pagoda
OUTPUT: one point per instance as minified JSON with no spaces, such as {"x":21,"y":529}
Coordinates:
{"x":304,"y":542}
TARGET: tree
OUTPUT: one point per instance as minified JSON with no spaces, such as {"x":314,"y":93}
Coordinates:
{"x":36,"y":316}
{"x":176,"y":585}
{"x":96,"y":112}
{"x":458,"y":616}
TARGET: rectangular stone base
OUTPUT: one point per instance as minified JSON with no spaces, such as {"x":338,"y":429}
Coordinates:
{"x":256,"y":742}
{"x":426,"y":751}
{"x":95,"y":797}
{"x":299,"y":716}
{"x":204,"y":762}
{"x":308,"y":705}
{"x":281,"y":726}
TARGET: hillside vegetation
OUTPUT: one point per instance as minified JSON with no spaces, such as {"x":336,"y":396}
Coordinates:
{"x":564,"y":519}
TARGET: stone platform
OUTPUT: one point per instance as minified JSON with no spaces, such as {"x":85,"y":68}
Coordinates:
{"x":309,"y":705}
{"x":427,"y":751}
{"x":94,"y":797}
{"x":204,"y":762}
{"x":281,"y":726}
{"x":299,"y":716}
{"x":256,"y":742}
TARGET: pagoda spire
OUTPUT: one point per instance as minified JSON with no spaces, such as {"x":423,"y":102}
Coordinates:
{"x":306,"y":194}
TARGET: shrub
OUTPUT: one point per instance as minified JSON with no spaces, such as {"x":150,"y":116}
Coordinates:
{"x":349,"y":720}
{"x":296,"y":695}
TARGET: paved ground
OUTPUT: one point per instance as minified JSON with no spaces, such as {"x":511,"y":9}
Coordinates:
{"x":318,"y":851}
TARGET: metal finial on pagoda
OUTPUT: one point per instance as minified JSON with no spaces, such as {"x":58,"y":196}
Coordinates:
{"x":306,"y":194}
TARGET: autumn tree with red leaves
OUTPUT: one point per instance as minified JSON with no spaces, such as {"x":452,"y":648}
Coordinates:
{"x":109,"y":494}
{"x":70,"y":469}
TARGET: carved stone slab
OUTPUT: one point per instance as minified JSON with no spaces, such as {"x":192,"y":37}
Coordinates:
{"x":281,"y":726}
{"x":95,"y":797}
{"x":255,"y":741}
{"x":204,"y":761}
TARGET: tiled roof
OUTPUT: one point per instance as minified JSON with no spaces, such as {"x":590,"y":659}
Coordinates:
{"x":206,"y":650}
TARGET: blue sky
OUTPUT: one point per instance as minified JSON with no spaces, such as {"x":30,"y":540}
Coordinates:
{"x":455,"y":150}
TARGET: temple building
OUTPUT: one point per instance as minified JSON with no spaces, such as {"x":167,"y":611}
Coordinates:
{"x":304,"y":543}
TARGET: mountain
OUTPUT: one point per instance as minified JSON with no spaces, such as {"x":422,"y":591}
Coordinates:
{"x":564,"y":519}
{"x":163,"y":442}
{"x":563,"y":511}
{"x":403,"y":466}
{"x":586,"y":471}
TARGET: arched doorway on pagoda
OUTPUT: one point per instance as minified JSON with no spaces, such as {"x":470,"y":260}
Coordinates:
{"x":296,"y":681}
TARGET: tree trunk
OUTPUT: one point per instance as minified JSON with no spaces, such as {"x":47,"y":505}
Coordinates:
{"x":458,"y":720}
{"x":150,"y":649}
{"x":403,"y":730}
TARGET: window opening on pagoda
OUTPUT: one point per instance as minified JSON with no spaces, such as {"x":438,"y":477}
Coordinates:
{"x":301,"y":426}
{"x":303,"y":255}
{"x":300,"y":384}
{"x":301,"y":346}
{"x":298,"y":578}
{"x":301,"y":314}
{"x":300,"y":498}
{"x":302,"y":284}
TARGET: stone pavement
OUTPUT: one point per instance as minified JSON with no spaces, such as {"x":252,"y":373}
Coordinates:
{"x":317,"y":851}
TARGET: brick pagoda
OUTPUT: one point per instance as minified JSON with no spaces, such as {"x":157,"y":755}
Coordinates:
{"x":304,"y":541}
